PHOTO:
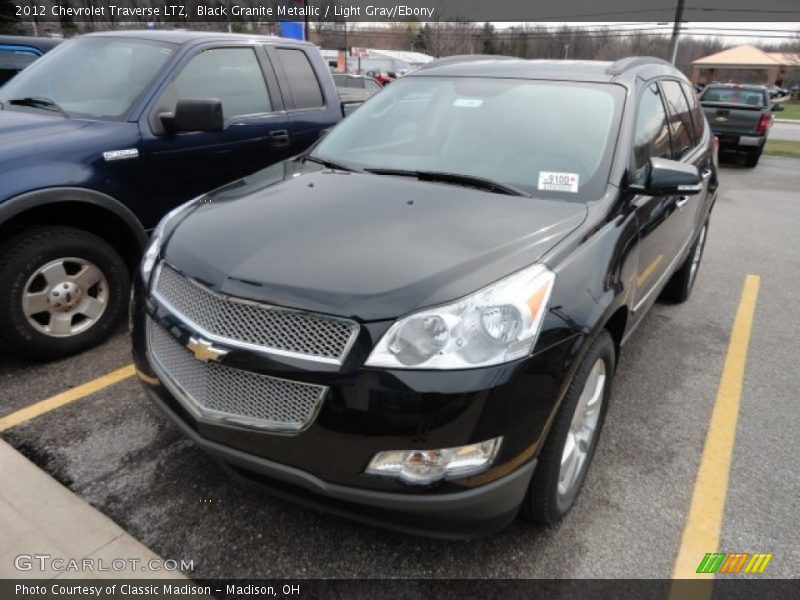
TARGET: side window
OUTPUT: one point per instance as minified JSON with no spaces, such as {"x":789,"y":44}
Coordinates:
{"x":302,"y":79}
{"x":231,"y":75}
{"x":698,"y":120}
{"x":13,"y":61}
{"x":680,"y":120}
{"x":651,"y":137}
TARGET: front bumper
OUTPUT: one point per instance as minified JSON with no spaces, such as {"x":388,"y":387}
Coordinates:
{"x":459,"y":515}
{"x":370,"y":410}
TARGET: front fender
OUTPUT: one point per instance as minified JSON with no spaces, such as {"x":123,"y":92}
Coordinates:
{"x":29,"y":200}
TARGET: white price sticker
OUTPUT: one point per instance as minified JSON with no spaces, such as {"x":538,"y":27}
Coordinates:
{"x":558,"y":182}
{"x":467,"y":102}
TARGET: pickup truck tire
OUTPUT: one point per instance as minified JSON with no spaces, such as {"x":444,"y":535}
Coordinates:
{"x":679,"y":287}
{"x":752,"y":156}
{"x":577,"y":426}
{"x":65,"y":289}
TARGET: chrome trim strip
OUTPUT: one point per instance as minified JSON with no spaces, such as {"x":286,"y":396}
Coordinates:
{"x":667,"y":272}
{"x":215,"y":417}
{"x":265,"y":350}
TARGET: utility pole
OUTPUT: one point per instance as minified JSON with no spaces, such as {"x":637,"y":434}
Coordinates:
{"x":305,"y":21}
{"x":676,"y":30}
{"x":346,"y":49}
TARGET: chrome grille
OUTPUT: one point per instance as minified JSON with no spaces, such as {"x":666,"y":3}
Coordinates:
{"x":240,"y":321}
{"x":216,"y":392}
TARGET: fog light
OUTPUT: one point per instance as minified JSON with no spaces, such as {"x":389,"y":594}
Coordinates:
{"x":429,"y":466}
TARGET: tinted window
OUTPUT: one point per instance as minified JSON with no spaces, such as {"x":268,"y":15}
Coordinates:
{"x":512,"y":131}
{"x":680,"y":120}
{"x":13,"y":61}
{"x":98,"y":77}
{"x":231,"y":75}
{"x":698,"y":120}
{"x":302,"y":79}
{"x":651,"y":138}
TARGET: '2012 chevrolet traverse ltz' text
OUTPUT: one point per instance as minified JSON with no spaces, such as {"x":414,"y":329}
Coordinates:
{"x":417,"y":322}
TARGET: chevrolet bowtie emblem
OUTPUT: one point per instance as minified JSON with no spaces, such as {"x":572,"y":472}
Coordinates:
{"x":204,"y":351}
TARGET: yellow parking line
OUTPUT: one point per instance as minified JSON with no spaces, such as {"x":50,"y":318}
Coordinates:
{"x":704,"y":522}
{"x":35,"y":410}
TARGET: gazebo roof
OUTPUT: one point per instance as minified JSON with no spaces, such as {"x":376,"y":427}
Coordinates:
{"x":741,"y":56}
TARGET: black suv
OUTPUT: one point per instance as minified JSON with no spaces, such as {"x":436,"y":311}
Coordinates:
{"x":417,"y":322}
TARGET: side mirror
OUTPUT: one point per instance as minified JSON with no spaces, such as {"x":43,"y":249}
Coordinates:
{"x":777,"y":107}
{"x":194,"y":115}
{"x":670,"y":178}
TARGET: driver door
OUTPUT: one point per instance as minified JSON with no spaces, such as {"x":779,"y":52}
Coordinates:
{"x":178,"y":167}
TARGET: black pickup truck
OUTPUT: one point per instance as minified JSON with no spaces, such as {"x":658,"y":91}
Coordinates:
{"x":107,"y":133}
{"x":740,"y":116}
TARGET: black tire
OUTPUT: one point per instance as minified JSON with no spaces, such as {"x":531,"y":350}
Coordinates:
{"x":680,"y":285}
{"x":543,"y":503}
{"x":20,"y":259}
{"x":752,"y":156}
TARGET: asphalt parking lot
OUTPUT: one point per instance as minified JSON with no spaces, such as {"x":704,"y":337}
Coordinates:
{"x":117,"y":451}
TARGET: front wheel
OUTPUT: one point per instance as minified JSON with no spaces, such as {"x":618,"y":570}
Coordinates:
{"x":570,"y":445}
{"x":66,"y":291}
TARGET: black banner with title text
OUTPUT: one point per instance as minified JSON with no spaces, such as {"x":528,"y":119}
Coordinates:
{"x":150,"y":12}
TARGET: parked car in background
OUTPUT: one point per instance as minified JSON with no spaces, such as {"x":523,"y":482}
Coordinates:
{"x":381,"y":77}
{"x":17,"y":52}
{"x":777,"y":93}
{"x":355,"y":89}
{"x":417,"y":323}
{"x":740,"y":115}
{"x":110,"y":131}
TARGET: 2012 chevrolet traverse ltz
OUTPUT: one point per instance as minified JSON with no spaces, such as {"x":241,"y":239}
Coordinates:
{"x":417,"y":322}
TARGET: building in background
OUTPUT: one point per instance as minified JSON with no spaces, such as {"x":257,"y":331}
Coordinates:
{"x":771,"y":68}
{"x":372,"y":59}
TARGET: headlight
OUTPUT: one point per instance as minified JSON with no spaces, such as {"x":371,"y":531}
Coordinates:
{"x":429,"y":466}
{"x":157,"y":238}
{"x":494,"y":325}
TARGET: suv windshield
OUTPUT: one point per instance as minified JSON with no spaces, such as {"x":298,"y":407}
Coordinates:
{"x":545,"y":138}
{"x":96,"y":77}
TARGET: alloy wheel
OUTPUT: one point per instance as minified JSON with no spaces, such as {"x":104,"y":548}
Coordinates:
{"x":65,"y":297}
{"x":582,"y":430}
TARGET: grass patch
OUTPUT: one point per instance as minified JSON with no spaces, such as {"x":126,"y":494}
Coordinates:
{"x":790,"y":111}
{"x":782,"y":148}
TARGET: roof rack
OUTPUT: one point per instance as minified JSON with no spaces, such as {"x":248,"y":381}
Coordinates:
{"x":623,"y":64}
{"x":464,"y":58}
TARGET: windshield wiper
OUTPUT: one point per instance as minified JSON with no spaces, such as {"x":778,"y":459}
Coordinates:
{"x":455,"y":178}
{"x":327,"y":163}
{"x":38,"y":102}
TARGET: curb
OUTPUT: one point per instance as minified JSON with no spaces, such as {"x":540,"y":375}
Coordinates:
{"x":41,"y":517}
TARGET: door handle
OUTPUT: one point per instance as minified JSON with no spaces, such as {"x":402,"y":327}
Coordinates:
{"x":681,"y":202}
{"x":706,"y":173}
{"x":279,"y":138}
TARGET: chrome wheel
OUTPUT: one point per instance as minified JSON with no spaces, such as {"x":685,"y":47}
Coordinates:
{"x":697,"y":255}
{"x":582,"y":430}
{"x":65,"y":297}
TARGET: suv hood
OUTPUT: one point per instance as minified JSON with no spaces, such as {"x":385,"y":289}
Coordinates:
{"x":363,"y":246}
{"x":19,"y":127}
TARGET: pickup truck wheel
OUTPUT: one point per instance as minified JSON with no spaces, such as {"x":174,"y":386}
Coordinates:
{"x":569,"y":448}
{"x":753,"y":154}
{"x":66,"y":290}
{"x":679,"y":287}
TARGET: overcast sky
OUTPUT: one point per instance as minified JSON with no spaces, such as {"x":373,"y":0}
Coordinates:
{"x":736,"y":32}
